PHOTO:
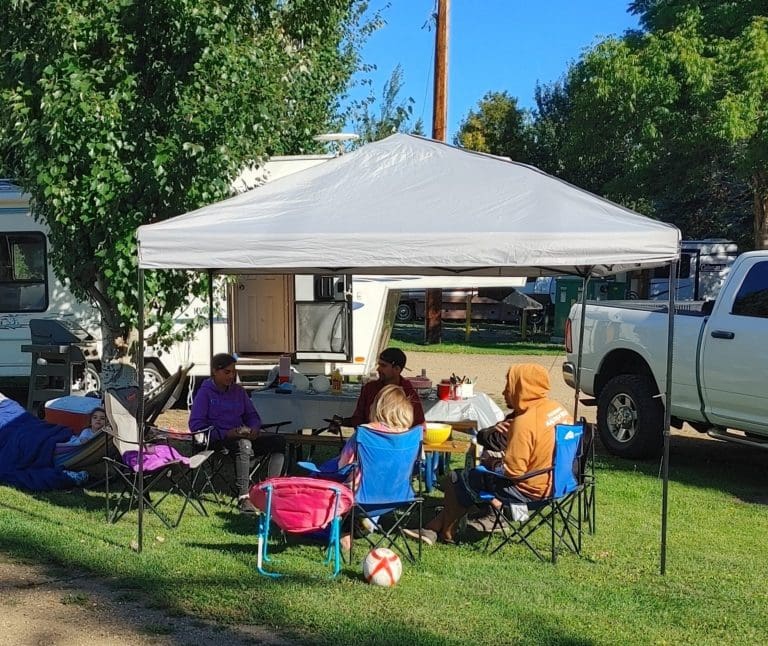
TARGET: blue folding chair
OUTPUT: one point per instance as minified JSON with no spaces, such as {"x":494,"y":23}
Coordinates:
{"x":561,"y":512}
{"x":381,"y":472}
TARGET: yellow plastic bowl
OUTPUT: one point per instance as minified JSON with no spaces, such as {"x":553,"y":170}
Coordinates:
{"x":435,"y":433}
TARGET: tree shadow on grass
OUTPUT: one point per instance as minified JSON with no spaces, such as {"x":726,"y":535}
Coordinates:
{"x":259,"y":600}
{"x":707,"y":463}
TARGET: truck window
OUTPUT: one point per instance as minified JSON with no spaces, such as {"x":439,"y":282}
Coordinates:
{"x":23,"y":274}
{"x":752,"y":299}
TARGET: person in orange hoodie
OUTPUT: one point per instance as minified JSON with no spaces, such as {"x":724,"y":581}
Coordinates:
{"x":530,"y":447}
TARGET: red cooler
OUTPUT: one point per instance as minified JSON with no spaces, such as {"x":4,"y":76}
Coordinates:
{"x":71,"y":411}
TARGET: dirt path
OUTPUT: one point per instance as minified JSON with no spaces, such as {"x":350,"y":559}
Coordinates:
{"x":44,"y":606}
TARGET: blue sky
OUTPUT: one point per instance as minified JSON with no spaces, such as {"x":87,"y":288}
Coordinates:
{"x":493,"y":45}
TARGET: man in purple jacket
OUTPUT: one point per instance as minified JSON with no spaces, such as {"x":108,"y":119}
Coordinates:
{"x":224,"y":405}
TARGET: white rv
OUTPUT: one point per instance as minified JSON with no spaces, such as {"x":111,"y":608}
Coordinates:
{"x":703,"y":267}
{"x":28,"y":287}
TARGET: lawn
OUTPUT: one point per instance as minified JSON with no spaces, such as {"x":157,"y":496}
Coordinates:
{"x":714,"y":591}
{"x":485,"y":338}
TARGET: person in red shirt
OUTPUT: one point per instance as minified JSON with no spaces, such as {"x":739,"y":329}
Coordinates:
{"x":391,"y":364}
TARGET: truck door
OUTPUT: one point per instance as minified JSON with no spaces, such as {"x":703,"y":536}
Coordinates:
{"x":323,"y":318}
{"x":735,"y":353}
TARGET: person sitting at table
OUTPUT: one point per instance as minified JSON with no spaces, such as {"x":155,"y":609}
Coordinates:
{"x":390,"y":412}
{"x":390,"y":366}
{"x":530,"y":447}
{"x":224,"y":406}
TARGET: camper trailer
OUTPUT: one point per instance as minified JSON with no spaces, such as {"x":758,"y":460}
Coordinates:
{"x":703,"y":267}
{"x":28,"y":287}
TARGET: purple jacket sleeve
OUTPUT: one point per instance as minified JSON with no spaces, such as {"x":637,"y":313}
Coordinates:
{"x":198,"y":415}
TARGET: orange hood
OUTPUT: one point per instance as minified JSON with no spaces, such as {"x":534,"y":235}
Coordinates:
{"x":527,"y":383}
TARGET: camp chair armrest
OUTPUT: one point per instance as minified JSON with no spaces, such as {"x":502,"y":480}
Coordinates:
{"x":115,"y":436}
{"x":201,"y":438}
{"x":515,"y":480}
{"x":274,"y":425}
{"x":313,"y":468}
{"x":308,"y":466}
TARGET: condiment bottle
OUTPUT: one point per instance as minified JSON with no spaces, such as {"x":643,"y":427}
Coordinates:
{"x":336,"y":381}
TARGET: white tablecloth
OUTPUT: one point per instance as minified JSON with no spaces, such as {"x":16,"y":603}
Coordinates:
{"x":480,"y":408}
{"x":307,"y":410}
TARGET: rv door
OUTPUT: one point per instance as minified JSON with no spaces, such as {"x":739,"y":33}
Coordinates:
{"x":323,"y":318}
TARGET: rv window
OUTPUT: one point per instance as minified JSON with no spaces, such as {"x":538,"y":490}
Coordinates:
{"x":752,"y":299}
{"x":683,"y":268}
{"x":23,"y":274}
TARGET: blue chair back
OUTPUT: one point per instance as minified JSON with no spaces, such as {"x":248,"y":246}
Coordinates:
{"x":386,"y":461}
{"x":565,"y":466}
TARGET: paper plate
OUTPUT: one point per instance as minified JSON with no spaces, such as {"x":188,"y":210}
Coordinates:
{"x":300,"y":382}
{"x":321,"y":384}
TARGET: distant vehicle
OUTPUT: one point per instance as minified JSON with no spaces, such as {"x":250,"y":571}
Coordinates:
{"x":487,"y":305}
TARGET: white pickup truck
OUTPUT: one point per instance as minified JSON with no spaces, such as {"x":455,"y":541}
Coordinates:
{"x":719,"y":367}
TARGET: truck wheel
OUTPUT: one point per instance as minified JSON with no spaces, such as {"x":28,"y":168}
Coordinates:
{"x":91,"y":379}
{"x":153,"y":377}
{"x":404,"y":313}
{"x":630,"y":418}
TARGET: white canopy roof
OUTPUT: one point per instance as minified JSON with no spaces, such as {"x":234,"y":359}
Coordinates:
{"x":408,"y":205}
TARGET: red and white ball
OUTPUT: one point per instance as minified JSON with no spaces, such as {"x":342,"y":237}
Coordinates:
{"x":382,"y":567}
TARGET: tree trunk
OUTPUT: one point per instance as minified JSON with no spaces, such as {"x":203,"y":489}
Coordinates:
{"x":760,"y":186}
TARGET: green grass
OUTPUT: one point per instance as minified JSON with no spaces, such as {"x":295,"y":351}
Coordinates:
{"x":485,"y":338}
{"x":714,"y":591}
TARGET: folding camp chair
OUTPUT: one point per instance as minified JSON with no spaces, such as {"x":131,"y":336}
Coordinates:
{"x":560,"y":512}
{"x":160,"y":399}
{"x":381,"y":472}
{"x":301,"y":506}
{"x":214,"y":478}
{"x":162,"y":465}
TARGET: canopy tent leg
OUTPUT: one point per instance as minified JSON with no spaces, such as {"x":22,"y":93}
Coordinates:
{"x":210,"y":313}
{"x":667,"y":414}
{"x":140,"y":411}
{"x":577,"y":386}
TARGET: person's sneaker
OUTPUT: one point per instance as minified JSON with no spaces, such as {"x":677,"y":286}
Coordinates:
{"x":245,"y":506}
{"x":428,"y":536}
{"x":368,"y":525}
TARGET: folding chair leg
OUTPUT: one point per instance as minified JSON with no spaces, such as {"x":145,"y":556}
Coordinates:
{"x":263,"y":543}
{"x":191,"y":496}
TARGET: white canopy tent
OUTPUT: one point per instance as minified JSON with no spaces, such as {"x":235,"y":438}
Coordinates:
{"x":408,"y":205}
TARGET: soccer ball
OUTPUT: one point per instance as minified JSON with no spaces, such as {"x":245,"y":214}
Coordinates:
{"x":382,"y":567}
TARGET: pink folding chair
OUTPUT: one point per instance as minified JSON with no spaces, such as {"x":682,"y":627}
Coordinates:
{"x":301,"y":506}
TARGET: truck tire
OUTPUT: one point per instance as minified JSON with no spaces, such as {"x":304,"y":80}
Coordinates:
{"x":630,"y":419}
{"x":153,"y":376}
{"x":91,"y":379}
{"x":405,"y":313}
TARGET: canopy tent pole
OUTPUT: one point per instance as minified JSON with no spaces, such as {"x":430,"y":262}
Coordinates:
{"x":140,"y":410}
{"x":667,"y":413}
{"x":210,"y":313}
{"x":577,"y":385}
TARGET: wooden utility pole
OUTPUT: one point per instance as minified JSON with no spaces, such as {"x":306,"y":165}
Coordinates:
{"x":434,"y":297}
